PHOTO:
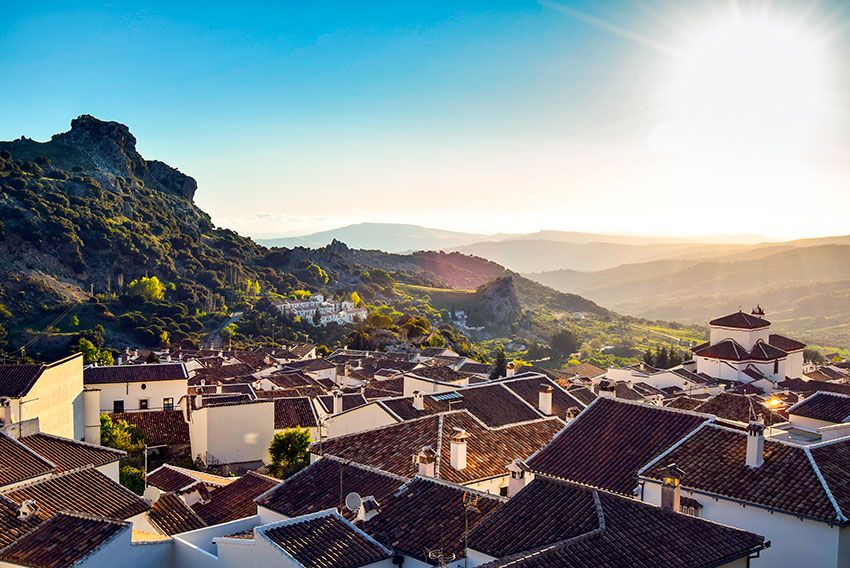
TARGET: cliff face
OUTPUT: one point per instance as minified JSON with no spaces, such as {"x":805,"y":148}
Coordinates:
{"x":101,"y":148}
{"x":495,"y":304}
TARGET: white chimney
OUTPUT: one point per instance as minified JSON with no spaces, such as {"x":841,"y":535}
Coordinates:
{"x":544,"y":399}
{"x":29,"y":508}
{"x":7,"y":412}
{"x":458,"y":448}
{"x":337,"y":402}
{"x":572,"y":412}
{"x":425,"y":459}
{"x":418,"y":400}
{"x":607,"y":390}
{"x":91,"y":413}
{"x":510,"y":369}
{"x":671,"y":490}
{"x":755,"y":444}
{"x":119,"y":360}
{"x":520,"y":477}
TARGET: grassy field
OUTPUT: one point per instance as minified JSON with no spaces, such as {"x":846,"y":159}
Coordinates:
{"x":440,"y":298}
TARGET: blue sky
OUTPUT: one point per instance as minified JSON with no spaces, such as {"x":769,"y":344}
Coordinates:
{"x":479,"y":116}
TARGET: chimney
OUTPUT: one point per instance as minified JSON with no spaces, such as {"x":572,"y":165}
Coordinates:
{"x":520,"y":477}
{"x":510,"y":369}
{"x":418,"y":400}
{"x":91,"y":414}
{"x":7,"y":412}
{"x":755,"y":444}
{"x":572,"y":412}
{"x":119,"y":360}
{"x":607,"y":390}
{"x":544,"y":399}
{"x":671,"y":490}
{"x":337,"y":394}
{"x":425,"y":459}
{"x":458,"y":448}
{"x":28,"y":509}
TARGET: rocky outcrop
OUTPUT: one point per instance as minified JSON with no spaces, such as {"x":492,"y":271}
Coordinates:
{"x":495,"y":304}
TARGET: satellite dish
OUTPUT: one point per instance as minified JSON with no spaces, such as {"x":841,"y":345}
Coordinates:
{"x":353,"y":502}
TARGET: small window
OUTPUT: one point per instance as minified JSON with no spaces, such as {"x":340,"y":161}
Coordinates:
{"x":144,"y":386}
{"x":692,"y":511}
{"x":503,"y":491}
{"x":117,"y":406}
{"x":776,"y":367}
{"x":168,"y":403}
{"x":143,"y":404}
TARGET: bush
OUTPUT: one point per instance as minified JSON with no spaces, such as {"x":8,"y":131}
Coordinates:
{"x":288,"y":452}
{"x":132,"y":478}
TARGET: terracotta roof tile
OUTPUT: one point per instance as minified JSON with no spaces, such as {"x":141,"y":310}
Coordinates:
{"x":171,"y":515}
{"x":785,"y":343}
{"x":17,"y":380}
{"x":296,"y":412}
{"x":63,"y":541}
{"x":829,"y":407}
{"x":158,"y":426}
{"x":714,"y":461}
{"x":18,"y":463}
{"x":70,"y":454}
{"x":234,"y":501}
{"x":610,"y":441}
{"x":11,"y":528}
{"x":740,"y":320}
{"x":327,"y":541}
{"x":740,"y":408}
{"x":84,"y":491}
{"x":147,"y":373}
{"x":349,"y":401}
{"x":567,"y":525}
{"x":317,"y":487}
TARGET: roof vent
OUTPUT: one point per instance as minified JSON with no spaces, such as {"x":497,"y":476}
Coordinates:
{"x":28,"y":510}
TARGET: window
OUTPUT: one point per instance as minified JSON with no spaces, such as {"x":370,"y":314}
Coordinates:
{"x":117,"y":406}
{"x":144,"y":386}
{"x":168,"y":403}
{"x":776,"y":367}
{"x":692,"y":511}
{"x":143,"y":404}
{"x":503,"y":491}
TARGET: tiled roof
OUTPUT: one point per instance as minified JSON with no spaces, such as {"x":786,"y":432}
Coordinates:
{"x":349,"y":401}
{"x":803,"y":386}
{"x":289,"y":379}
{"x":171,"y":515}
{"x":495,"y":405}
{"x":785,"y":343}
{"x":158,"y":426}
{"x":686,"y":403}
{"x":740,"y":320}
{"x":762,"y":351}
{"x":234,"y":501}
{"x":585,"y":371}
{"x":317,"y":487}
{"x":610,"y":441}
{"x":11,"y":528}
{"x":568,"y":525}
{"x":442,"y":374}
{"x":428,"y":514}
{"x":311,"y":365}
{"x":63,"y":541}
{"x":824,"y":374}
{"x":833,"y":461}
{"x":326,"y":541}
{"x":714,"y":462}
{"x":167,"y":478}
{"x":135,"y":373}
{"x":17,"y":380}
{"x":296,"y":412}
{"x":728,"y":350}
{"x":18,"y":463}
{"x":70,"y":454}
{"x":220,"y":373}
{"x":475,"y":367}
{"x":85,"y":491}
{"x":582,"y":394}
{"x":829,"y":407}
{"x":740,"y":408}
{"x":529,"y":391}
{"x":489,"y":450}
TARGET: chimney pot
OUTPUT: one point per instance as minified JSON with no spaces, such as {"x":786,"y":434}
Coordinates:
{"x":755,"y":444}
{"x":425,"y":459}
{"x":337,"y":402}
{"x":458,"y":442}
{"x":418,"y":400}
{"x":671,"y":491}
{"x":544,"y":399}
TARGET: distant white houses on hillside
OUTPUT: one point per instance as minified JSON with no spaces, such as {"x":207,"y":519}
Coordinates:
{"x":329,"y":311}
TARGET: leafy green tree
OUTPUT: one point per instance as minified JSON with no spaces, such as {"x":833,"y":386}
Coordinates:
{"x":355,"y":298}
{"x":132,"y":478}
{"x":500,"y":368}
{"x":93,"y":355}
{"x":164,"y":338}
{"x":149,"y":288}
{"x":75,"y":321}
{"x":301,"y":294}
{"x":228,"y":331}
{"x":288,"y":452}
{"x":564,"y":342}
{"x":121,"y":435}
{"x":812,"y":355}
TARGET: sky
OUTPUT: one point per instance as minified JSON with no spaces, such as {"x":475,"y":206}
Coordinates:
{"x":676,"y":117}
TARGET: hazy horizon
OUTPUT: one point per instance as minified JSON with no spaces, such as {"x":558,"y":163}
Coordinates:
{"x":670,"y":119}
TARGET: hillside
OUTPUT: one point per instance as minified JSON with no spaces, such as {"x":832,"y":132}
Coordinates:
{"x":86,"y":220}
{"x":804,"y":286}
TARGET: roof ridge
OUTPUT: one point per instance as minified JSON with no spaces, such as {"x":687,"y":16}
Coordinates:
{"x":357,"y":464}
{"x":439,"y":446}
{"x":78,"y":442}
{"x":669,"y":450}
{"x":600,"y":512}
{"x":839,"y":514}
{"x":29,"y":450}
{"x":449,"y":484}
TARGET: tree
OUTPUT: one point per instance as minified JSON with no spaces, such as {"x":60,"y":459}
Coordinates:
{"x":121,"y":435}
{"x":564,"y":342}
{"x":93,"y":355}
{"x":811,"y":355}
{"x":500,"y":368}
{"x":318,"y":274}
{"x":288,"y":452}
{"x":75,"y":321}
{"x":164,"y":338}
{"x":355,"y":298}
{"x":228,"y":331}
{"x":132,"y":478}
{"x":148,"y":288}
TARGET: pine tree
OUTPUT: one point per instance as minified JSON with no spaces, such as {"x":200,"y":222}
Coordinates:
{"x":500,"y":369}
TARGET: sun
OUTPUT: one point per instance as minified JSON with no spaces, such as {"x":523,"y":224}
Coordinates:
{"x":744,"y":86}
